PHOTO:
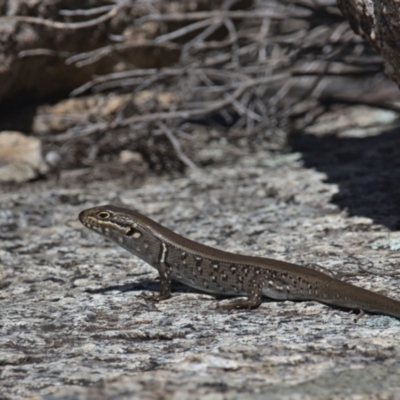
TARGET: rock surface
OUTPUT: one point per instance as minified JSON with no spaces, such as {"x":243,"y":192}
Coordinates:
{"x":73,"y":323}
{"x":20,"y":157}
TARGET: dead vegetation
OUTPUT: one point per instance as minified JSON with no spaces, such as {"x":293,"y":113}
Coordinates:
{"x":193,"y":83}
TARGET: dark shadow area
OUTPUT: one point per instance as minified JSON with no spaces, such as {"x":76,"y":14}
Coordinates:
{"x":367,"y":171}
{"x":154,"y":286}
{"x":19,"y":114}
{"x":148,"y":285}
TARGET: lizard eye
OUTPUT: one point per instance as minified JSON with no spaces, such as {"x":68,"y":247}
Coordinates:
{"x":103,"y":215}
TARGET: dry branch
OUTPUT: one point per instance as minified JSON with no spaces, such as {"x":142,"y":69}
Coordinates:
{"x":70,"y":25}
{"x":182,"y":114}
{"x":250,"y":72}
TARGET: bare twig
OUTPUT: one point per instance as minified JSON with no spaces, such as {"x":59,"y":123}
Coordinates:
{"x":176,"y":145}
{"x":201,"y":15}
{"x":185,"y":30}
{"x":90,"y":11}
{"x":234,"y":38}
{"x":184,"y":114}
{"x":90,"y":57}
{"x":42,"y":52}
{"x":66,"y":25}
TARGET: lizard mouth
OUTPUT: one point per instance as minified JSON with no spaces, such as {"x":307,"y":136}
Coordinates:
{"x":82,"y":217}
{"x":87,"y":220}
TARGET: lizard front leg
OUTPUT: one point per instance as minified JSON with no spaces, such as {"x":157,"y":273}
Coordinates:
{"x":164,"y":271}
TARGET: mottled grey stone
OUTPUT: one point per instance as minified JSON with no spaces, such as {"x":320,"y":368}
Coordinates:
{"x":74,"y":326}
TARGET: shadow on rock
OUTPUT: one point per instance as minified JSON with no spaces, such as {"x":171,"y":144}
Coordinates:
{"x":366,"y":170}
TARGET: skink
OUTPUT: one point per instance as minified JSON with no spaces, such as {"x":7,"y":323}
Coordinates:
{"x":219,"y":272}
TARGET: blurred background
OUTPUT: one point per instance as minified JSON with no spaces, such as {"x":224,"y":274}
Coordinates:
{"x":103,"y":90}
